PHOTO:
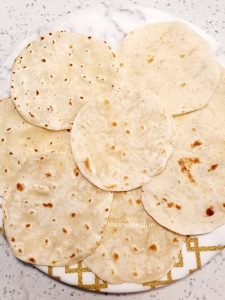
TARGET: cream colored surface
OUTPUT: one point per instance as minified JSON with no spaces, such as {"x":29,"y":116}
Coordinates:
{"x":53,"y":215}
{"x":19,"y":140}
{"x":188,"y":197}
{"x":134,"y":247}
{"x":56,"y":74}
{"x":124,"y":142}
{"x":168,"y":58}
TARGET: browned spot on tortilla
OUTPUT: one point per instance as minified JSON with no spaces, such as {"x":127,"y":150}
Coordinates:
{"x":138,"y":201}
{"x":81,"y":97}
{"x":223,"y":204}
{"x":71,"y":65}
{"x":89,"y":37}
{"x":76,"y":172}
{"x":73,"y":215}
{"x":178,"y":206}
{"x":10,"y":153}
{"x":175,"y":240}
{"x":135,"y":249}
{"x":87,"y":164}
{"x":49,"y":205}
{"x":164,"y":199}
{"x":193,"y":129}
{"x":183,"y":84}
{"x":8,"y":129}
{"x":135,"y":274}
{"x":48,"y":174}
{"x":150,"y":59}
{"x":213,"y":167}
{"x":125,"y":177}
{"x":170,"y":204}
{"x":13,"y":239}
{"x":42,"y":38}
{"x":72,"y":255}
{"x":209,"y":212}
{"x":111,"y":186}
{"x":115,"y":229}
{"x":106,"y":209}
{"x":53,"y":262}
{"x":19,"y":250}
{"x":42,"y":158}
{"x":186,"y":164}
{"x":113,"y":147}
{"x":103,"y":254}
{"x":115,"y":256}
{"x":32,"y":116}
{"x":153,"y":247}
{"x":114,"y":124}
{"x":121,"y":64}
{"x":64,"y":230}
{"x":182,"y":55}
{"x":68,"y":130}
{"x":158,"y":203}
{"x":32,"y":260}
{"x":20,"y":187}
{"x":106,"y":102}
{"x":86,"y":226}
{"x":196,"y":144}
{"x":46,"y":241}
{"x":128,"y":131}
{"x":27,"y":225}
{"x":43,"y":60}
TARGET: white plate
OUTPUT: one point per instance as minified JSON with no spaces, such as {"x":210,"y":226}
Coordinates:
{"x":111,"y":24}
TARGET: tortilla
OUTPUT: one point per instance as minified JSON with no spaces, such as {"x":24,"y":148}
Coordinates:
{"x":53,"y":215}
{"x":19,"y":140}
{"x":189,"y":196}
{"x":119,"y":141}
{"x":134,"y":247}
{"x":212,"y":115}
{"x":56,"y":74}
{"x":170,"y":59}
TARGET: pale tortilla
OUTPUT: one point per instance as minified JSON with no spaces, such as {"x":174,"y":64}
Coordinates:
{"x":134,"y":247}
{"x":56,"y":74}
{"x":122,"y":139}
{"x":170,"y":59}
{"x":189,"y":196}
{"x":52,"y":215}
{"x":19,"y":140}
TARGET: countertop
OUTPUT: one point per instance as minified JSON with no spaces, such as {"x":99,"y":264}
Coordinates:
{"x":21,"y":282}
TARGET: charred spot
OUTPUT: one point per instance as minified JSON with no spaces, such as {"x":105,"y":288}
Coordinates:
{"x":13,"y":239}
{"x":86,"y":226}
{"x":81,"y":97}
{"x":150,"y":59}
{"x":186,"y":164}
{"x":73,"y":215}
{"x":128,"y":131}
{"x":170,"y":204}
{"x":46,"y":241}
{"x":87,"y":164}
{"x":178,"y":206}
{"x":8,"y":129}
{"x":42,"y":38}
{"x":209,"y":212}
{"x":64,"y":230}
{"x":125,"y":177}
{"x":135,"y":249}
{"x":213,"y":167}
{"x":115,"y":256}
{"x":70,"y":65}
{"x":196,"y":144}
{"x":183,"y":84}
{"x":2,"y":140}
{"x":106,"y":209}
{"x":76,"y":172}
{"x":32,"y":260}
{"x":41,"y":158}
{"x":27,"y":225}
{"x":37,"y":92}
{"x":48,"y":174}
{"x":223,"y":204}
{"x":89,"y":37}
{"x":43,"y":60}
{"x":19,"y":250}
{"x":114,"y":124}
{"x":10,"y":153}
{"x":20,"y":187}
{"x":48,"y":205}
{"x":175,"y":240}
{"x":103,"y":254}
{"x":32,"y":116}
{"x":72,"y":255}
{"x":153,"y":247}
{"x":138,"y":201}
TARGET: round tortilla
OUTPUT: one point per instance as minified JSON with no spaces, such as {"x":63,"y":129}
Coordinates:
{"x":53,"y":215}
{"x":170,"y":59}
{"x":134,"y":248}
{"x":19,"y":140}
{"x":56,"y":74}
{"x":124,"y":142}
{"x":189,"y":196}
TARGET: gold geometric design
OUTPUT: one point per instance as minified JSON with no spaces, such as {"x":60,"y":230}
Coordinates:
{"x":180,"y":262}
{"x":50,"y":273}
{"x":97,"y":286}
{"x":192,"y":245}
{"x":156,"y":283}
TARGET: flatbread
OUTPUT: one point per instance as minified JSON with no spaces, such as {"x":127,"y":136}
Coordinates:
{"x":119,"y":141}
{"x":170,"y":59}
{"x":19,"y":140}
{"x":189,"y":196}
{"x":213,"y":114}
{"x":56,"y":74}
{"x":53,"y":215}
{"x":134,"y":247}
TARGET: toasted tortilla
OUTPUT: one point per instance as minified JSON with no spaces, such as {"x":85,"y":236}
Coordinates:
{"x":122,"y":139}
{"x":52,"y":215}
{"x":134,"y":247}
{"x":173,"y":61}
{"x":56,"y":74}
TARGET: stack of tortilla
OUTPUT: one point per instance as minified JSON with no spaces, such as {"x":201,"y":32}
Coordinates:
{"x":112,"y":158}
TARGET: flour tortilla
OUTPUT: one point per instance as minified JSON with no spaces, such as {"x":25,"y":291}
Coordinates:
{"x":134,"y":247}
{"x":19,"y":140}
{"x":53,"y":215}
{"x":212,"y":115}
{"x":168,"y":58}
{"x":119,"y":141}
{"x":189,"y":196}
{"x":56,"y":74}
